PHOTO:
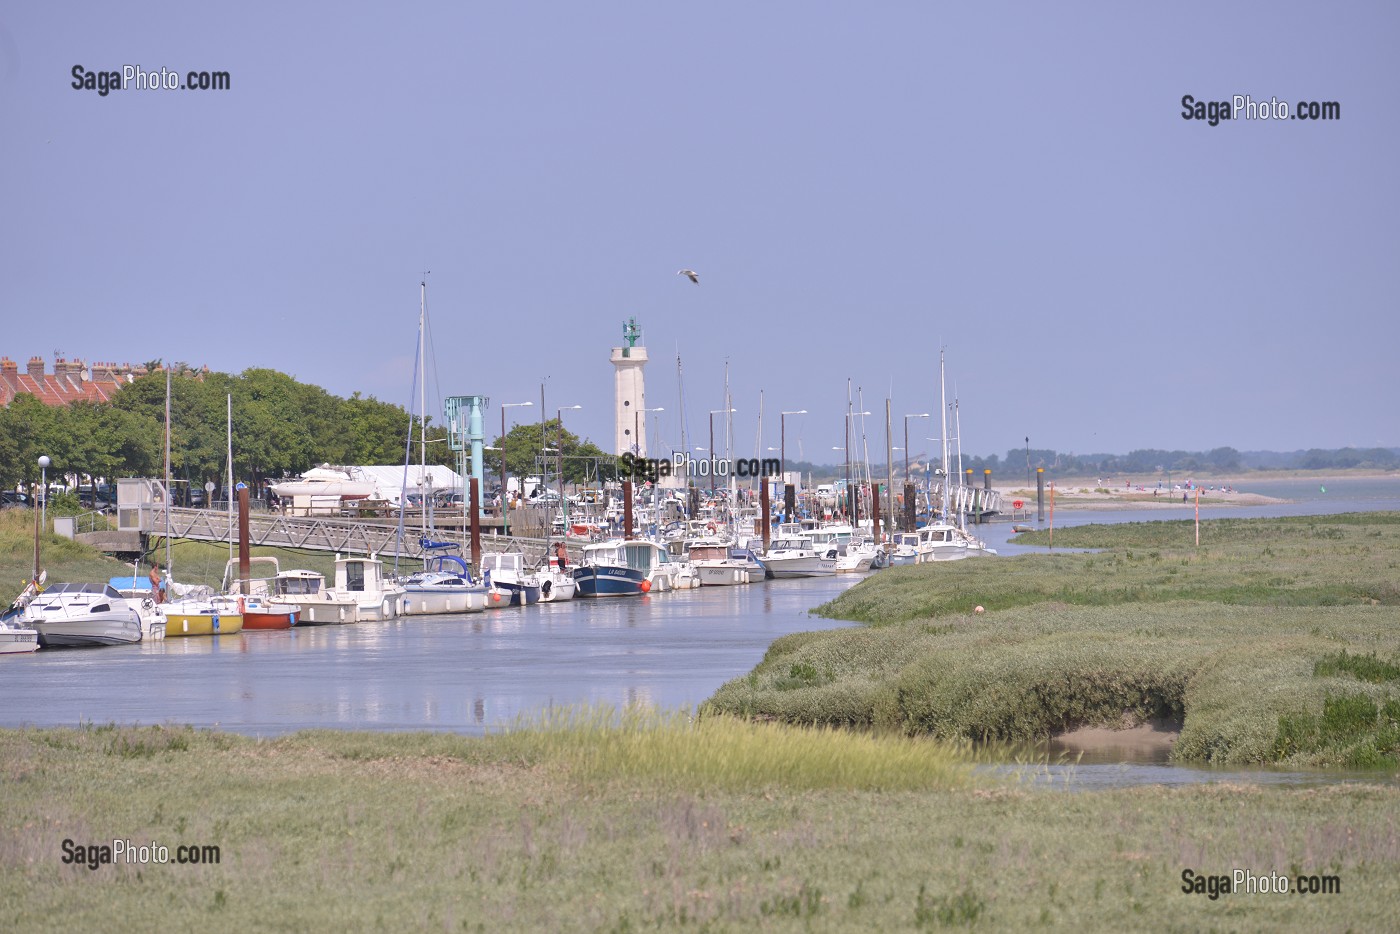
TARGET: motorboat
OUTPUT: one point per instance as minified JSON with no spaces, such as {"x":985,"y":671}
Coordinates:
{"x":943,"y":541}
{"x":360,"y":594}
{"x":138,"y":591}
{"x":906,"y":548}
{"x":16,"y":638}
{"x":507,"y":582}
{"x":797,"y":556}
{"x":716,"y":567}
{"x":81,"y":615}
{"x":557,"y":585}
{"x":623,"y":567}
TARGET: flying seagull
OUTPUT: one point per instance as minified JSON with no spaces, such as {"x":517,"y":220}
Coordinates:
{"x":690,"y":274}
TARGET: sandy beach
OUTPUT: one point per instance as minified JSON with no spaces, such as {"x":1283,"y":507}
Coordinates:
{"x":1093,"y":493}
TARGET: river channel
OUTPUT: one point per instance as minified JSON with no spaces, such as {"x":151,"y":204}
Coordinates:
{"x":483,"y":671}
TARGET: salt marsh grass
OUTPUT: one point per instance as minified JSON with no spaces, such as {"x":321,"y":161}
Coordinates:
{"x":1247,"y":640}
{"x":678,"y":750}
{"x":366,"y":832}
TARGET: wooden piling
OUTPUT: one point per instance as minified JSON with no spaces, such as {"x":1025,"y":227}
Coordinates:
{"x":763,"y":511}
{"x":245,"y":565}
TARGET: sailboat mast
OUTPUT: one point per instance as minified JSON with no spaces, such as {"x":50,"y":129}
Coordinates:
{"x":943,"y":407}
{"x":423,"y":405}
{"x":167,"y":470}
{"x":229,"y":493}
{"x":957,"y":431}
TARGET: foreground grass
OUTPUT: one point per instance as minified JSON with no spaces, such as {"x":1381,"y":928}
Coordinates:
{"x":576,"y":826}
{"x":1232,"y":638}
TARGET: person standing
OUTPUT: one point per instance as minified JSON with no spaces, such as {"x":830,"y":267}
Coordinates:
{"x":157,"y":584}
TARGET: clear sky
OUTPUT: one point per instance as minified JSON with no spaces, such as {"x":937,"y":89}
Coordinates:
{"x":856,"y":184}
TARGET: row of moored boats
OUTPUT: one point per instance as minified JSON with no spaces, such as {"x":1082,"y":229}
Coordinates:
{"x":124,"y":609}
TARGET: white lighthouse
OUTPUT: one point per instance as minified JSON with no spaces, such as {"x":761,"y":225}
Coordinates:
{"x":629,"y":393}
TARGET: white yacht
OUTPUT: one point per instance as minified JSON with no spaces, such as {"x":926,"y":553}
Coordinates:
{"x":82,"y":614}
{"x":798,"y":557}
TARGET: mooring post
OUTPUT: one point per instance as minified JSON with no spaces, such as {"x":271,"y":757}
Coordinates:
{"x":244,"y":563}
{"x":627,"y":509}
{"x":875,"y":513}
{"x":1040,"y":494}
{"x":763,"y":511}
{"x":910,"y":507}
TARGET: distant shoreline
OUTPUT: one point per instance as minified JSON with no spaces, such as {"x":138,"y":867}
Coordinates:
{"x":1114,"y":493}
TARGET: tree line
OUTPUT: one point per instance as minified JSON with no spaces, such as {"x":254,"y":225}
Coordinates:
{"x":280,"y":428}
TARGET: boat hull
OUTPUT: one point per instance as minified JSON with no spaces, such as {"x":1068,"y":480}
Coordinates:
{"x":605,"y":581}
{"x":202,"y":624}
{"x":435,"y":602}
{"x":270,"y":619}
{"x":327,"y":612}
{"x":96,"y":629}
{"x":18,"y":641}
{"x":782,"y":568}
{"x":557,"y":588}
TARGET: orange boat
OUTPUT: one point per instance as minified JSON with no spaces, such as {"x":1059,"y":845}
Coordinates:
{"x":261,"y":613}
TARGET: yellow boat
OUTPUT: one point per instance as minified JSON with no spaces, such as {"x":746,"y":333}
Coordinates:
{"x":201,"y":618}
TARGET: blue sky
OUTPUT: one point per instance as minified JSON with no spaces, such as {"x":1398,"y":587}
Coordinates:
{"x":857,"y":185}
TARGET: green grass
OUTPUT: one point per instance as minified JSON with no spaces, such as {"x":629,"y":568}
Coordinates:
{"x":1244,"y":640}
{"x":66,"y":560}
{"x":522,"y":832}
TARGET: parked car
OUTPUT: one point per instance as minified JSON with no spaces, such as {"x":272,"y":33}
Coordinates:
{"x":13,"y":499}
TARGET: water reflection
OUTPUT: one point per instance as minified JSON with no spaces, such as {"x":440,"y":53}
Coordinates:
{"x":440,"y":673}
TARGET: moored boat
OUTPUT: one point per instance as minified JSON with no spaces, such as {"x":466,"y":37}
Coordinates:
{"x":507,"y":582}
{"x":797,"y":557}
{"x":194,"y":617}
{"x":82,"y":615}
{"x":619,"y":568}
{"x":444,"y":586}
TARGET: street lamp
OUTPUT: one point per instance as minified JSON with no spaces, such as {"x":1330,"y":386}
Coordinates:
{"x":713,"y":413}
{"x":906,"y":441}
{"x":505,"y":508}
{"x":44,"y":463}
{"x":563,"y":503}
{"x":782,"y":441}
{"x":637,"y":429}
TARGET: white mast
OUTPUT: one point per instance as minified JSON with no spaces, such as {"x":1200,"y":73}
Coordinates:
{"x":423,"y":406}
{"x":943,"y":400}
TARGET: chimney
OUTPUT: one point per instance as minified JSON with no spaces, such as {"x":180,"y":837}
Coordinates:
{"x":36,"y":369}
{"x":9,"y":373}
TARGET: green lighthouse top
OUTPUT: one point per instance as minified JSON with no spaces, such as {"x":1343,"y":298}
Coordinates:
{"x":630,"y":332}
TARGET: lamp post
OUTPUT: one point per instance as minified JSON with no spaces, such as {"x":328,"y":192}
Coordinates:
{"x":505,"y":508}
{"x":782,"y":441}
{"x":906,"y":440}
{"x":713,"y":413}
{"x":637,"y":428}
{"x":44,"y":463}
{"x":563,"y":502}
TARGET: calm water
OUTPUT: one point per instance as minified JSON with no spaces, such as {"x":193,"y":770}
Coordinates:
{"x":472,"y":673}
{"x":463,"y":674}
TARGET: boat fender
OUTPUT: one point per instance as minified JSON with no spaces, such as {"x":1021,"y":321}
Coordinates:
{"x":384,"y":608}
{"x":645,"y":587}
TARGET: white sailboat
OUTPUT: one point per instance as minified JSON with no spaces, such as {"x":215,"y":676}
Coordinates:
{"x":943,"y":540}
